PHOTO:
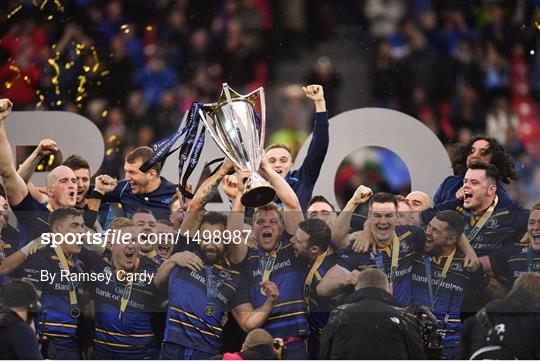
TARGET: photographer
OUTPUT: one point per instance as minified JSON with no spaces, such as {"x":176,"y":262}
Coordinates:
{"x":370,"y":325}
{"x":507,"y":328}
{"x":19,"y":306}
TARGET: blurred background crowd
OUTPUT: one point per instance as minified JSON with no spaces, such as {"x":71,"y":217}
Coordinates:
{"x":134,"y":68}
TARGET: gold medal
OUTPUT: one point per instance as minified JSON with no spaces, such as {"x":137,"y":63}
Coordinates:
{"x":209,"y":310}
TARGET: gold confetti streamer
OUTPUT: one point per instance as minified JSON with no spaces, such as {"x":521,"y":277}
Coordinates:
{"x":109,"y":151}
{"x":125,"y":28}
{"x":86,"y":68}
{"x":78,"y":48}
{"x":51,"y":160}
{"x":537,"y":24}
{"x":43,"y":4}
{"x":82,"y":81}
{"x":19,"y":7}
{"x":13,"y":67}
{"x":149,"y":28}
{"x":104,"y":113}
{"x":58,"y":102}
{"x":104,"y":73}
{"x":26,"y":79}
{"x":59,"y":5}
{"x":68,"y":65}
{"x":96,"y":60}
{"x":112,"y":138}
{"x":54,"y":80}
{"x":50,"y":17}
{"x":41,"y":98}
{"x":40,"y":167}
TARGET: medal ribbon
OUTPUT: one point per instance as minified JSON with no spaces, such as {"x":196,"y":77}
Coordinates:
{"x":311,"y":274}
{"x":126,"y":295}
{"x":394,"y":261}
{"x":73,"y":303}
{"x":211,"y":286}
{"x":427,"y":265}
{"x":266,"y":263}
{"x":482,"y":221}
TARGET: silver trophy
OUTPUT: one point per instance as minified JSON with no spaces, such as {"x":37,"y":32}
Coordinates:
{"x":239,"y":132}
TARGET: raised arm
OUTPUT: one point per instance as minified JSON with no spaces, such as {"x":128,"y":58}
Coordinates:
{"x":343,"y":222}
{"x":26,"y":170}
{"x":235,"y":222}
{"x":14,"y":185}
{"x":292,"y":214}
{"x":206,"y":191}
{"x":182,"y":259}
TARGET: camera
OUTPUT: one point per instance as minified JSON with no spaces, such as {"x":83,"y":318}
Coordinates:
{"x":432,"y":341}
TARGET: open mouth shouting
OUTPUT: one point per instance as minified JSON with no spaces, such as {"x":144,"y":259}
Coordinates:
{"x":163,"y":250}
{"x":130,"y":256}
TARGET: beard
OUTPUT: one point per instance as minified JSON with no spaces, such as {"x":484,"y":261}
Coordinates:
{"x":212,"y":255}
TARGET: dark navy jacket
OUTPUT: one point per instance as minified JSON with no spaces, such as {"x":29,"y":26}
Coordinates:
{"x":302,"y":180}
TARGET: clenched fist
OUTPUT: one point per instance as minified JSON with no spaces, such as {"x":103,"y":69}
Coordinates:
{"x":361,"y":195}
{"x":5,"y":108}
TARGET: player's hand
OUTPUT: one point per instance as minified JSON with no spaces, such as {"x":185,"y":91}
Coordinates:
{"x":363,"y":241}
{"x":229,"y":184}
{"x":189,"y":188}
{"x":271,"y":291}
{"x":471,"y":261}
{"x":105,"y":184}
{"x":460,"y":194}
{"x":37,"y":244}
{"x":352,"y":278}
{"x":361,"y":195}
{"x":314,"y":92}
{"x":188,"y":260}
{"x":5,"y":108}
{"x":243,"y":176}
{"x":46,"y":147}
{"x":526,"y":239}
{"x":227,"y":167}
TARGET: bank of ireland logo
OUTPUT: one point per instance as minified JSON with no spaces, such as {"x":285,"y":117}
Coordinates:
{"x":456,"y":266}
{"x":437,"y":274}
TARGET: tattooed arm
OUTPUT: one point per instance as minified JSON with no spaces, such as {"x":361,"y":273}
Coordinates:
{"x":203,"y":195}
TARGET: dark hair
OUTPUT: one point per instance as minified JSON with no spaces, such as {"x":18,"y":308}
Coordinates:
{"x":214,"y":218}
{"x":60,"y":214}
{"x":322,"y":199}
{"x":454,"y":221}
{"x":383,"y":197}
{"x":18,"y":293}
{"x":319,"y":233}
{"x":165,"y":222}
{"x":530,"y":282}
{"x":75,"y":162}
{"x":491,"y":171}
{"x":2,"y":192}
{"x":143,"y":153}
{"x":499,"y":158}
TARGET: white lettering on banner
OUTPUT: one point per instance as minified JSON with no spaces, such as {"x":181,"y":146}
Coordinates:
{"x":419,"y":148}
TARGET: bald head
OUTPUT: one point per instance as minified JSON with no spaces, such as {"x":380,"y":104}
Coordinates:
{"x":62,"y":187}
{"x":419,"y":201}
{"x":258,"y":337}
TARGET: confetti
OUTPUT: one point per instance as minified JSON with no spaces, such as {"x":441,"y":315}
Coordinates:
{"x":51,"y":160}
{"x":40,"y":167}
{"x":13,"y":67}
{"x":112,"y":138}
{"x":531,"y":52}
{"x":43,"y":4}
{"x":50,"y":17}
{"x":78,"y":48}
{"x":149,"y":28}
{"x":86,"y":68}
{"x":125,"y":28}
{"x":54,"y":80}
{"x":58,"y":102}
{"x":19,"y":7}
{"x":104,"y":113}
{"x":109,"y":151}
{"x":537,"y":24}
{"x":96,"y":60}
{"x":104,"y":73}
{"x":68,"y":65}
{"x":59,"y":5}
{"x":26,"y":79}
{"x":82,"y":81}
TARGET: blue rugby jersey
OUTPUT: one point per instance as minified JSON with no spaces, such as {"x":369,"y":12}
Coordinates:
{"x":411,"y":240}
{"x":507,"y":223}
{"x":56,"y":323}
{"x":133,"y":336}
{"x":9,"y":244}
{"x":187,"y":323}
{"x":288,"y":317}
{"x":512,"y":261}
{"x":319,"y":306}
{"x":156,"y":201}
{"x":33,"y":219}
{"x":449,"y":296}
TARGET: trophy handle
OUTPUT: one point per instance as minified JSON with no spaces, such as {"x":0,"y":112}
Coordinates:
{"x":259,"y":93}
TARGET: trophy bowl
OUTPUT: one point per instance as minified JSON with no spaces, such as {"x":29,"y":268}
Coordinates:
{"x":238,"y":130}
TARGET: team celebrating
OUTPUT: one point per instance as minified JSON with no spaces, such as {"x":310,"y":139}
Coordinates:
{"x":297,"y":268}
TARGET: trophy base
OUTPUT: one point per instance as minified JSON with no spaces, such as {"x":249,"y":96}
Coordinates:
{"x":258,"y":195}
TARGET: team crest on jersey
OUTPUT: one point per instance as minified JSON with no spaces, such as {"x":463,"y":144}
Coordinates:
{"x":492,"y":223}
{"x":107,"y":270}
{"x":524,"y":250}
{"x":456,"y":266}
{"x":479,"y":238}
{"x":2,"y":255}
{"x":536,"y":267}
{"x":225,"y":275}
{"x":404,"y":247}
{"x":437,"y":274}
